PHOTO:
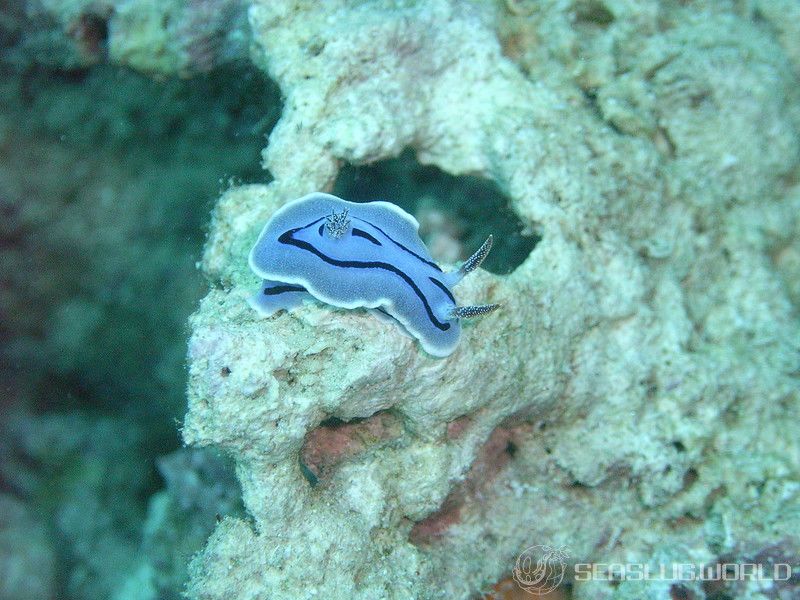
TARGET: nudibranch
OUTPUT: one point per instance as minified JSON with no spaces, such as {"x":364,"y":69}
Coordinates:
{"x":361,"y":255}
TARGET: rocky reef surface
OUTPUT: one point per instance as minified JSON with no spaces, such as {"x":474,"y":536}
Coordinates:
{"x":636,"y":397}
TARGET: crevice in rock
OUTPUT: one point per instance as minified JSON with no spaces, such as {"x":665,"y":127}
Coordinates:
{"x":593,"y":12}
{"x":335,"y":441}
{"x":456,"y":213}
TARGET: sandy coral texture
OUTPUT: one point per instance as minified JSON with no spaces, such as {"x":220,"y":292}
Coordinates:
{"x":636,"y":396}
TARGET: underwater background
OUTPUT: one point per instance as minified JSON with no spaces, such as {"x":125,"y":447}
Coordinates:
{"x":634,"y":401}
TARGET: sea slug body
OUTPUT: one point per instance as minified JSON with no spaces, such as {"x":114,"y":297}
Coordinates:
{"x":361,"y":255}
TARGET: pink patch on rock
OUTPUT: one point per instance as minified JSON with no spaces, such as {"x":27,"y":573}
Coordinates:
{"x":328,"y":445}
{"x":436,"y":525}
{"x":456,"y":428}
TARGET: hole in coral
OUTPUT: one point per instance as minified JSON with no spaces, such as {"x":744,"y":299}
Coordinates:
{"x":689,"y":478}
{"x":511,"y":449}
{"x":456,"y":214}
{"x":90,"y":32}
{"x":678,"y":591}
{"x":332,"y":422}
{"x":336,"y":421}
{"x":592,"y":12}
{"x":336,"y":441}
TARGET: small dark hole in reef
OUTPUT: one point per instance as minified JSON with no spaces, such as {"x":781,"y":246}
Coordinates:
{"x":679,"y":592}
{"x":511,"y":449}
{"x":593,"y":12}
{"x":332,"y":422}
{"x":336,"y":421}
{"x":90,"y":32}
{"x":689,"y":478}
{"x":466,"y":208}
